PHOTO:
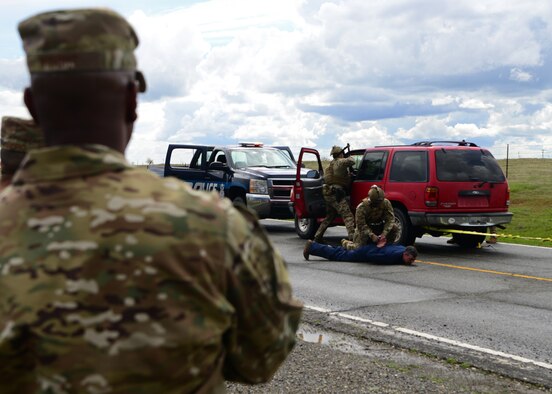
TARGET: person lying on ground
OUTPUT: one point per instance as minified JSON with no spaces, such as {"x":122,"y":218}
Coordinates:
{"x":389,"y":254}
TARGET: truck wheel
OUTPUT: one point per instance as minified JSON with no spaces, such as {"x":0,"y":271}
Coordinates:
{"x":306,"y":228}
{"x":238,"y":200}
{"x":406,"y":235}
{"x":470,"y":240}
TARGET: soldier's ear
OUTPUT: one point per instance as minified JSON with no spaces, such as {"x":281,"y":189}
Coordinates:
{"x":29,"y":103}
{"x":131,"y":102}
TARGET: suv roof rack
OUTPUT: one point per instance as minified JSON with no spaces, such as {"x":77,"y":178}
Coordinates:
{"x":431,"y":143}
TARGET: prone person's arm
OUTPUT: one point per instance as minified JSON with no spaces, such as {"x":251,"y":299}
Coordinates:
{"x":266,"y":314}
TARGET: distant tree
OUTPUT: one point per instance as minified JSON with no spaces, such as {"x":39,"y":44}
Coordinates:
{"x":149,"y":161}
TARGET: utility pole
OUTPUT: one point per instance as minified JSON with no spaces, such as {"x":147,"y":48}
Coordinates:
{"x":507,"y":157}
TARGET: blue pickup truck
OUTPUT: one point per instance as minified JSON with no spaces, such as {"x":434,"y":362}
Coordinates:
{"x":258,"y":176}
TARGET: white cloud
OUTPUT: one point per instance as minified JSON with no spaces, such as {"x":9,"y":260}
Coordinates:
{"x":475,"y":104}
{"x":444,"y":100}
{"x":11,"y":104}
{"x":313,"y":72}
{"x":542,"y":119}
{"x":367,"y":134}
{"x":442,"y":129}
{"x":519,"y":75}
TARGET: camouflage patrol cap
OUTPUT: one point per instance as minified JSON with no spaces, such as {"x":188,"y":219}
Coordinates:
{"x":20,"y":135}
{"x":376,"y":194}
{"x":79,"y":40}
{"x":336,"y":150}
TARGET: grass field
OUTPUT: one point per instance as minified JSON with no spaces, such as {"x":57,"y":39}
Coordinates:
{"x":530,"y":183}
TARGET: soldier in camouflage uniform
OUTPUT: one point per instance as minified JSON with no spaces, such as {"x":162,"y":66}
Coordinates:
{"x":18,"y":136}
{"x":112,"y":279}
{"x":375,"y":221}
{"x":335,"y":191}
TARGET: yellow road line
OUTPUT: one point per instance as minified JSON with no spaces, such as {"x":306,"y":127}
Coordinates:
{"x":460,"y":267}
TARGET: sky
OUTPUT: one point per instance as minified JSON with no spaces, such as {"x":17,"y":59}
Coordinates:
{"x":319,"y":73}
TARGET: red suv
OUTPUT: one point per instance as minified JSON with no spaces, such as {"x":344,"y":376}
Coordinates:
{"x":432,"y":185}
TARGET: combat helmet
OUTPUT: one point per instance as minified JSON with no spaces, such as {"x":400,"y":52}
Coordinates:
{"x":376,"y":194}
{"x":336,"y":150}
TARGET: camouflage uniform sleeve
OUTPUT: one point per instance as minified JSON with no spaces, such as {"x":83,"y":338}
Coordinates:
{"x":346,"y":162}
{"x":267,"y":315}
{"x":363,"y":230}
{"x":388,"y":217}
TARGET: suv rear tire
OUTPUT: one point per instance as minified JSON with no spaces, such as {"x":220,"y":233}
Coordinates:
{"x":406,"y":235}
{"x":470,"y":240}
{"x":306,"y":227}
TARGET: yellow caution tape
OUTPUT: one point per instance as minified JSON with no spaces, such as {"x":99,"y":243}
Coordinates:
{"x":447,"y":230}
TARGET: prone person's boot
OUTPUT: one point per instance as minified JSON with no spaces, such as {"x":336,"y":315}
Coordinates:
{"x":306,"y":249}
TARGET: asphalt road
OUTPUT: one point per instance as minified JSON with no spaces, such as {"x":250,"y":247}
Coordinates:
{"x":490,"y":306}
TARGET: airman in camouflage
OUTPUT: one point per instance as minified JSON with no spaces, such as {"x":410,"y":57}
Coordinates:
{"x":112,"y":279}
{"x":375,"y":221}
{"x":18,"y":136}
{"x":337,"y":181}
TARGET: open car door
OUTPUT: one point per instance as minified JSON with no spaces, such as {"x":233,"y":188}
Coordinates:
{"x":307,"y":199}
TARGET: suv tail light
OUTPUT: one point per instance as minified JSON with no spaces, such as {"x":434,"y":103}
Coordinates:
{"x":431,"y":196}
{"x":508,"y":197}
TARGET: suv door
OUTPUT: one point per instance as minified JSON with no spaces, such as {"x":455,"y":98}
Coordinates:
{"x":187,"y":162}
{"x":218,"y":174}
{"x":403,"y":175}
{"x":475,"y":182}
{"x":407,"y":179}
{"x":307,"y":200}
{"x":307,"y":190}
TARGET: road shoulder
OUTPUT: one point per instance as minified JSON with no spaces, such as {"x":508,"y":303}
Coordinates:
{"x":337,"y":357}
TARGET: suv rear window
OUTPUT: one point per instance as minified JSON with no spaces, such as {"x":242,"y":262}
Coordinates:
{"x":462,"y":165}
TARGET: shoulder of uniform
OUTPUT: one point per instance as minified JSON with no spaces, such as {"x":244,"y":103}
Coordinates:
{"x":247,"y":213}
{"x":200,"y":201}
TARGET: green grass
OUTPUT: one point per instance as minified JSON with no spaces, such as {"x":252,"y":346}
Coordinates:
{"x":453,"y":361}
{"x":530,"y":183}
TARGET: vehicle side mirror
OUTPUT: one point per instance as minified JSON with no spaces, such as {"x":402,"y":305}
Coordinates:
{"x":313,"y":174}
{"x":303,"y":165}
{"x":217,"y":165}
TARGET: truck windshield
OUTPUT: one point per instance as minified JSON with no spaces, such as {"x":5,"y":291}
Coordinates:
{"x":462,"y":165}
{"x":260,"y":157}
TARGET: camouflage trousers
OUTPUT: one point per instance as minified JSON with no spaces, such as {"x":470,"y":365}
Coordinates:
{"x":333,"y":209}
{"x":363,"y":238}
